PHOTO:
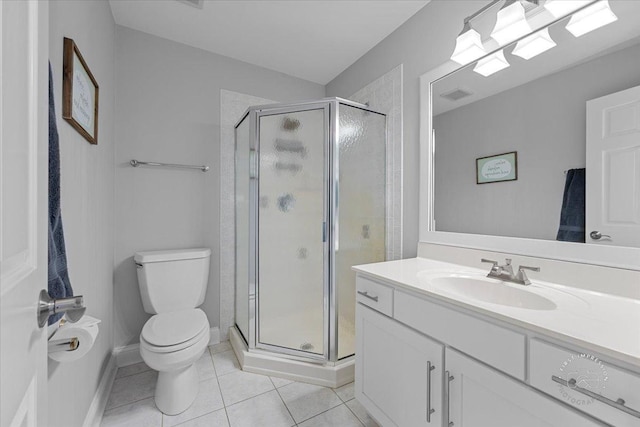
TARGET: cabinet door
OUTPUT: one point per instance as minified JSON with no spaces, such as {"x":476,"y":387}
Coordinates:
{"x":394,"y":381}
{"x":481,"y":397}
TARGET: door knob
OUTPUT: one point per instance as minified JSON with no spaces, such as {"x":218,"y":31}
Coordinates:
{"x":596,"y":235}
{"x":73,"y":307}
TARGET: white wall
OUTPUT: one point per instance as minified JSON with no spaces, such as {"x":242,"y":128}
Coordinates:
{"x":168,"y":98}
{"x":421,"y":44}
{"x":545,"y":122}
{"x":86,"y":200}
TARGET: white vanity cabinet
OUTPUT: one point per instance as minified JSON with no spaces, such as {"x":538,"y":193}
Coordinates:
{"x":480,"y":397}
{"x":407,"y":346}
{"x":398,"y":372}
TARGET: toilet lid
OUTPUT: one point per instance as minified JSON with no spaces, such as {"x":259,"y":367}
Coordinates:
{"x":174,"y":327}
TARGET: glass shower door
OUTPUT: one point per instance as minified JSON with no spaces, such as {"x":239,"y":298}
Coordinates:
{"x":360,"y":210}
{"x":292,"y":269}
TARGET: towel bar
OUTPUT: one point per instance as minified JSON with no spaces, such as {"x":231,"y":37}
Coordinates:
{"x":136,"y":163}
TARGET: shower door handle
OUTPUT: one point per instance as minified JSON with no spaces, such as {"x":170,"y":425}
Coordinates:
{"x":324,"y":232}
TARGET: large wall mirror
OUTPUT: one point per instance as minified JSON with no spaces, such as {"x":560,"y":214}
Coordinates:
{"x":525,"y":152}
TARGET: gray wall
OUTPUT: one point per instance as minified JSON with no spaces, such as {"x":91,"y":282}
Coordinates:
{"x":87,"y":202}
{"x":168,"y":98}
{"x":545,"y":122}
{"x":422,"y":43}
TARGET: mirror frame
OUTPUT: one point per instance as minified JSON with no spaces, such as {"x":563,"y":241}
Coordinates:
{"x":585,"y":253}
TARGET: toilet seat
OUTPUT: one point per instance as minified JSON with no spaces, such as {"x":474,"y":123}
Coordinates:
{"x":175,"y":330}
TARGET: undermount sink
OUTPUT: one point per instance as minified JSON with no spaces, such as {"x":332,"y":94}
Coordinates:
{"x":492,"y":291}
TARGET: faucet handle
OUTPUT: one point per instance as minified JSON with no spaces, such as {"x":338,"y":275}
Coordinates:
{"x":489,"y":261}
{"x":524,"y":267}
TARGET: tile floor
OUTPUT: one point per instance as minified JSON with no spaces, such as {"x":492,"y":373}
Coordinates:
{"x":229,"y":397}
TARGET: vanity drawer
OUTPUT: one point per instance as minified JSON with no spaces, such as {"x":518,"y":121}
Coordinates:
{"x":499,"y":347}
{"x":375,"y":295}
{"x":551,"y":367}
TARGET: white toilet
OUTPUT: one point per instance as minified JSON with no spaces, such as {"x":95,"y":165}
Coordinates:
{"x":172,"y":284}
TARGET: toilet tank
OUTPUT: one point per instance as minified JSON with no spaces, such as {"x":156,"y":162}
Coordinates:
{"x":172,"y":279}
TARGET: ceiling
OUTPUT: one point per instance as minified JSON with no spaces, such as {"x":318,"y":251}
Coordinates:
{"x":312,"y":40}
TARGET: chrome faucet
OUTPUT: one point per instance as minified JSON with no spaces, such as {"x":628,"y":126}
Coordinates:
{"x":505,"y":272}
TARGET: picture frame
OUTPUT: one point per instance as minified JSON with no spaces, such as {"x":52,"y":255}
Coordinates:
{"x":497,"y":168}
{"x":80,"y":92}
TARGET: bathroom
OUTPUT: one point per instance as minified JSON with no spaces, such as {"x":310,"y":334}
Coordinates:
{"x":175,"y":78}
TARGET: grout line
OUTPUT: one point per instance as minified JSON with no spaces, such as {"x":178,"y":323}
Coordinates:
{"x":295,"y":423}
{"x":351,"y":410}
{"x":224,"y":405}
{"x":128,"y":403}
{"x":320,"y":413}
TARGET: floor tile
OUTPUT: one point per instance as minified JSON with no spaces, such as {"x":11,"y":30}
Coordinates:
{"x":263,"y":410}
{"x":219,"y":348}
{"x":280,"y":382}
{"x":139,"y":414}
{"x":132,"y":388}
{"x":204,"y":365}
{"x":209,"y":399}
{"x":338,"y":416}
{"x":306,"y":400}
{"x":213,"y":419}
{"x":136,"y":368}
{"x":225,"y":362}
{"x":357,"y":408}
{"x":346,"y":392}
{"x":239,"y":385}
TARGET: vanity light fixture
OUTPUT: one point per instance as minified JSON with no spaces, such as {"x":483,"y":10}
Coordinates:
{"x":534,"y":44}
{"x":491,"y":64}
{"x":560,"y":8}
{"x":468,"y":46}
{"x":593,"y":17}
{"x":511,"y":23}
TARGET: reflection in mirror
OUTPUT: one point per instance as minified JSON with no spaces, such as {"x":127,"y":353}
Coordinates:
{"x":572,"y":115}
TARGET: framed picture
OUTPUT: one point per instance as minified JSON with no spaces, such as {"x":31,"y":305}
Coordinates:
{"x":497,"y":168}
{"x":79,"y":93}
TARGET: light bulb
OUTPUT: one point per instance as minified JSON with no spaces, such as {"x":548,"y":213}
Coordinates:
{"x":511,"y":23}
{"x":560,"y":8}
{"x":593,"y":17}
{"x":468,"y":46}
{"x":534,"y":45}
{"x":491,"y":64}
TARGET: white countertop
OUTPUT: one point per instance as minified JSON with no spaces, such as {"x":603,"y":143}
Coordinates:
{"x":606,"y":324}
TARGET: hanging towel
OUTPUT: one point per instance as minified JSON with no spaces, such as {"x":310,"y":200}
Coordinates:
{"x":59,"y":284}
{"x":573,"y":208}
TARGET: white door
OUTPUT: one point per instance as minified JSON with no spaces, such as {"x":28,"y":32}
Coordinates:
{"x":613,"y":169}
{"x":481,"y":397}
{"x":23,"y":210}
{"x":398,"y":372}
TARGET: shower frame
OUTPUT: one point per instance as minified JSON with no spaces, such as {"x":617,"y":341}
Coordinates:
{"x":331,"y":232}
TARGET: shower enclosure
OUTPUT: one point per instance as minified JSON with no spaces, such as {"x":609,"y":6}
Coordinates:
{"x":309,"y":203}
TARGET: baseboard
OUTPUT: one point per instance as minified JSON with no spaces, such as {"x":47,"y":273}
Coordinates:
{"x":214,"y":335}
{"x":99,"y":402}
{"x":127,"y":355}
{"x":130,"y":354}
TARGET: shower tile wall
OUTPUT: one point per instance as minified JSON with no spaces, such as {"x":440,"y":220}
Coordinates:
{"x":385,"y":95}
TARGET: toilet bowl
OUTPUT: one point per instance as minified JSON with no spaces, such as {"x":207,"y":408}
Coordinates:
{"x":171,"y":343}
{"x":172,"y":284}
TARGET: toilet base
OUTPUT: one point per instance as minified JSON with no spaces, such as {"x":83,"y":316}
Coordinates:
{"x":176,"y":390}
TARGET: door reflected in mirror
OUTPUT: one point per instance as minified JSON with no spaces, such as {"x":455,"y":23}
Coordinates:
{"x":572,"y":114}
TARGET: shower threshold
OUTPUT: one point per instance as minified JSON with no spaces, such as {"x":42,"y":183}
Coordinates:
{"x":324,"y":373}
